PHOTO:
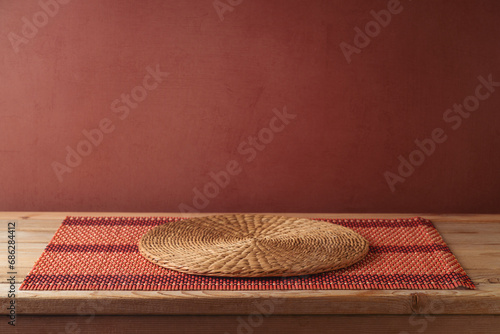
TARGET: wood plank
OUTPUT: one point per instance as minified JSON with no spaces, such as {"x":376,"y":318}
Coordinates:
{"x":469,"y":256}
{"x":488,"y":275}
{"x":481,"y":234}
{"x":466,"y":228}
{"x":480,"y":258}
{"x":454,"y":238}
{"x":33,"y":225}
{"x":484,"y":300}
{"x":477,"y":259}
{"x":258,"y":323}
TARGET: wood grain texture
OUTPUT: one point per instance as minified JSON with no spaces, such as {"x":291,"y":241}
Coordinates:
{"x":249,"y":324}
{"x":480,"y":258}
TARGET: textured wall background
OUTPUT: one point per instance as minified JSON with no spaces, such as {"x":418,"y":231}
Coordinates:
{"x":334,"y":104}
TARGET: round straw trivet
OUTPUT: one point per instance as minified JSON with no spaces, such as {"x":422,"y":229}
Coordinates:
{"x":252,"y":246}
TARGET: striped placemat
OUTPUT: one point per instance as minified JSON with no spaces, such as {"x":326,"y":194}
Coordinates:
{"x":101,"y":253}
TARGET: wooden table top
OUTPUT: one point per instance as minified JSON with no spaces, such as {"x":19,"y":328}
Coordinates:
{"x":474,"y":239}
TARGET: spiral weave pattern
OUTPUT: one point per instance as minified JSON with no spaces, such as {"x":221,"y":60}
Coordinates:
{"x":242,"y":245}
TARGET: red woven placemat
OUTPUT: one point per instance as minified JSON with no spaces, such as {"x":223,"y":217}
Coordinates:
{"x":101,"y":253}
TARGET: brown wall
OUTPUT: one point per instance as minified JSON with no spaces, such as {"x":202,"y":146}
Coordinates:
{"x":354,"y":105}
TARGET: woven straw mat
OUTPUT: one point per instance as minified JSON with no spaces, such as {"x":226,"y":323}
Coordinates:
{"x":252,"y":246}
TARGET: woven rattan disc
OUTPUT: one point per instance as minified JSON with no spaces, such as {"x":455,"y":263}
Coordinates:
{"x":252,"y":246}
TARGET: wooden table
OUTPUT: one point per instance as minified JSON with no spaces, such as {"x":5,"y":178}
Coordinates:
{"x":474,"y":239}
